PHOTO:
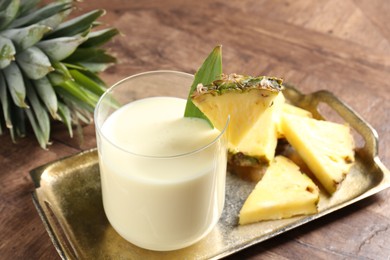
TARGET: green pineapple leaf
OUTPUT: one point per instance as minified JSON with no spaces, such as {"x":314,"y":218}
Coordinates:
{"x":90,"y":55}
{"x":95,"y":67}
{"x":4,"y":102}
{"x":94,"y":60}
{"x":92,"y":76}
{"x":18,"y":129}
{"x":65,"y":115}
{"x":7,"y":52}
{"x":87,"y":82}
{"x":38,"y":15}
{"x":15,"y":83}
{"x":60,"y":48}
{"x":8,"y":14}
{"x":98,"y":38}
{"x":62,"y":70}
{"x":37,"y":130}
{"x":27,"y":36}
{"x":207,"y":73}
{"x":41,"y":115}
{"x":74,"y":66}
{"x":55,"y":20}
{"x":26,"y":6}
{"x":74,"y":90}
{"x":20,"y":121}
{"x":83,"y":115}
{"x":47,"y":94}
{"x":73,"y":103}
{"x":4,"y":4}
{"x":34,"y":63}
{"x":76,"y":25}
{"x":48,"y":66}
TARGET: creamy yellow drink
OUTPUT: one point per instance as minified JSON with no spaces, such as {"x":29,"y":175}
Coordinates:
{"x":162,"y":175}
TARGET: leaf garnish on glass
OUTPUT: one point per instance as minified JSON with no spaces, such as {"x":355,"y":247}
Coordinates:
{"x":207,"y":73}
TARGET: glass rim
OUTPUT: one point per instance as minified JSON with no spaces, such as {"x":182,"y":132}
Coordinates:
{"x":117,"y":84}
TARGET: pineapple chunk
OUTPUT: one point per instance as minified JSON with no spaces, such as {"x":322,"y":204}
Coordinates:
{"x":282,"y":193}
{"x":243,"y":98}
{"x":291,"y":109}
{"x":262,"y":138}
{"x":326,"y":147}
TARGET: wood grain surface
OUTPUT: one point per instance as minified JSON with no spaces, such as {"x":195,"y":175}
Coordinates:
{"x":342,"y":46}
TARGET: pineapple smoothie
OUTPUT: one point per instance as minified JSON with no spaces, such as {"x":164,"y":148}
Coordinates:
{"x":162,"y":175}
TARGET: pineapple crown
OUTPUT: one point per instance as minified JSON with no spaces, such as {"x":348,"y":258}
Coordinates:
{"x":49,"y":66}
{"x":235,"y":82}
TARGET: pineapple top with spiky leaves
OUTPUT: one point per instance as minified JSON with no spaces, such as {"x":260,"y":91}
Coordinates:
{"x":49,"y":66}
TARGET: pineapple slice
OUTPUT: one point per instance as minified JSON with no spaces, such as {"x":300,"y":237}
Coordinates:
{"x":262,"y":138}
{"x":282,"y":193}
{"x":243,"y":98}
{"x":326,"y":147}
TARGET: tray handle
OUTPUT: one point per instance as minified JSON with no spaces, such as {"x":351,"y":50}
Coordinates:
{"x":312,"y":101}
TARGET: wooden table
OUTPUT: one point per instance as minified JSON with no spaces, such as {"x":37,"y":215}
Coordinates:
{"x":342,"y":46}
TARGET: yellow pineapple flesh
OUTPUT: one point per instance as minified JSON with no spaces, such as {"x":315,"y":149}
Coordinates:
{"x":291,"y":109}
{"x":261,"y":140}
{"x":243,"y":98}
{"x":294,"y":110}
{"x":283,"y":192}
{"x":326,"y":147}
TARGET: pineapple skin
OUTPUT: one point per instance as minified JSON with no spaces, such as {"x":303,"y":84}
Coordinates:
{"x":326,"y":147}
{"x":246,"y":169}
{"x":282,"y":193}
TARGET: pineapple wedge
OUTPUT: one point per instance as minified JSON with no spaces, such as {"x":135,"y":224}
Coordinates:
{"x":294,"y":110}
{"x":282,"y":193}
{"x":243,"y":98}
{"x":326,"y":147}
{"x":291,"y":109}
{"x":262,"y":138}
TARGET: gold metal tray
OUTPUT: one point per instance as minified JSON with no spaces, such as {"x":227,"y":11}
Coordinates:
{"x":68,"y":198}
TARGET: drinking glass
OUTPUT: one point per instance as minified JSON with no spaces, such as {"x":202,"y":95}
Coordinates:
{"x":144,"y":206}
